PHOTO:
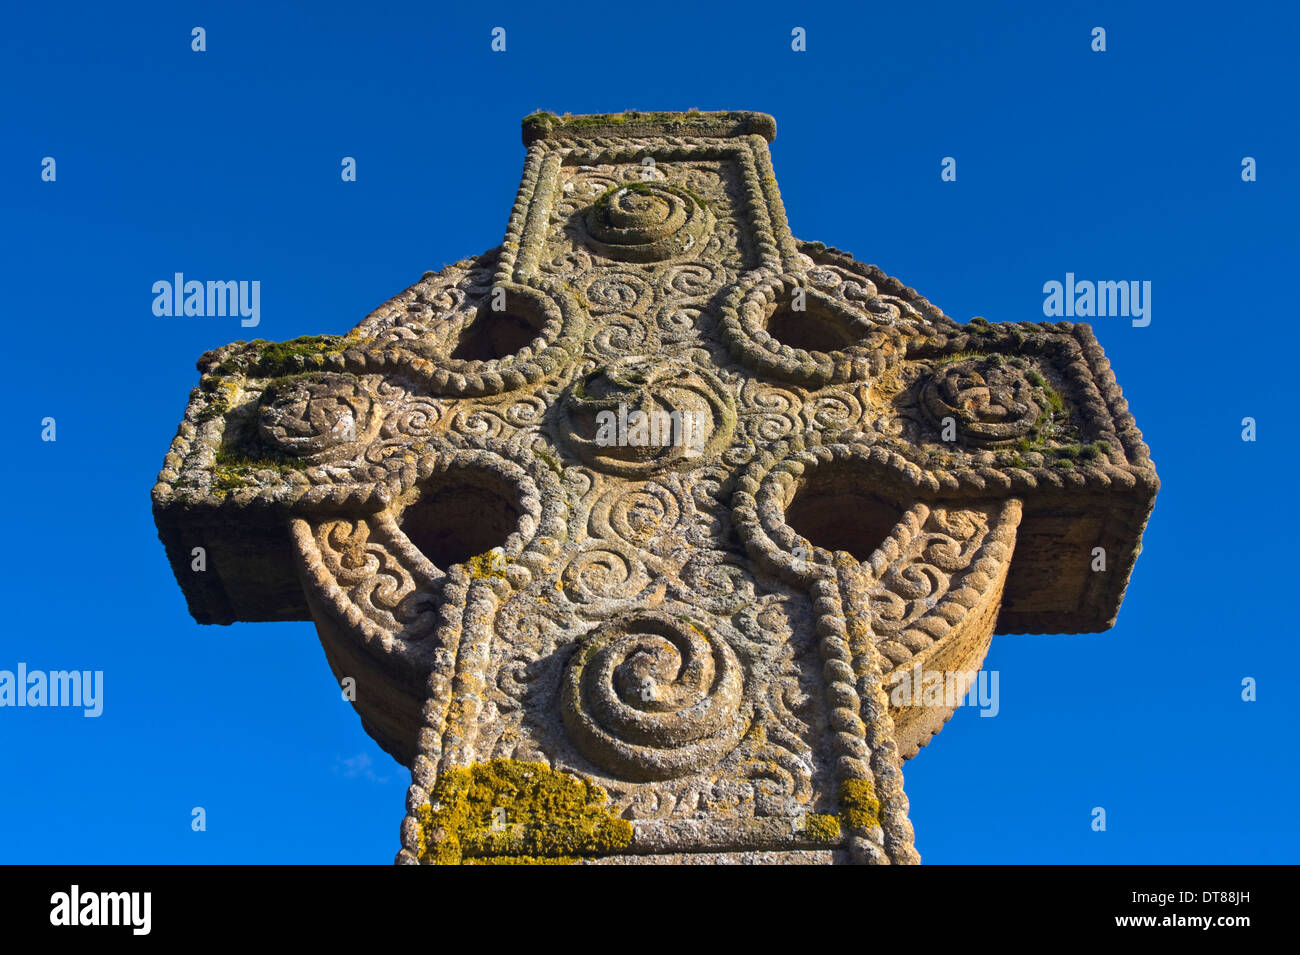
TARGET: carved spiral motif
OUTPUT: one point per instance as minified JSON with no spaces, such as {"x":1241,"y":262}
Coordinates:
{"x":362,"y":562}
{"x":646,"y":222}
{"x":836,"y":410}
{"x":620,"y":334}
{"x":478,"y":422}
{"x":607,"y":292}
{"x":636,"y":514}
{"x":677,"y":322}
{"x":318,"y":417}
{"x":602,"y":573}
{"x":653,"y":697}
{"x":722,"y":585}
{"x":581,"y":190}
{"x":695,"y":279}
{"x":769,"y":413}
{"x":861,"y":292}
{"x":992,"y":402}
{"x":841,"y":282}
{"x":925,"y":572}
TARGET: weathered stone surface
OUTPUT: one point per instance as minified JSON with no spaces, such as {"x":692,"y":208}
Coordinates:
{"x":702,"y":627}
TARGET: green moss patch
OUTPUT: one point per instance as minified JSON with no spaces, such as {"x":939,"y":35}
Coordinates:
{"x":221,"y":397}
{"x":271,"y":359}
{"x":543,"y":120}
{"x":233,"y":470}
{"x":550,"y":460}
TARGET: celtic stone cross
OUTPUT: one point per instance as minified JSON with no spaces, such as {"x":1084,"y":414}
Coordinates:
{"x":588,"y":647}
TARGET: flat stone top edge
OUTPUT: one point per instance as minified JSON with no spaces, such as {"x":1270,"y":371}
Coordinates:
{"x":633,"y":124}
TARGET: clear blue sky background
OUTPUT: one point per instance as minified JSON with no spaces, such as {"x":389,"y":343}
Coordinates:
{"x":1122,"y":165}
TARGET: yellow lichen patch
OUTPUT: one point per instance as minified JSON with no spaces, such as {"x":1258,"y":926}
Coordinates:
{"x":859,"y":806}
{"x":521,"y":860}
{"x":490,"y":564}
{"x":823,"y":828}
{"x":512,"y":812}
{"x":222,"y":396}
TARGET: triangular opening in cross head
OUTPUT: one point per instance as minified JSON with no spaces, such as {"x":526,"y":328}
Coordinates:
{"x":832,"y":509}
{"x":493,"y":335}
{"x":461,"y":513}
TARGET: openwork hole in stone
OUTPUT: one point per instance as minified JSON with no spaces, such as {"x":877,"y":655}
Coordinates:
{"x":782,"y":327}
{"x":815,"y":329}
{"x":492,"y":336}
{"x":462,"y":513}
{"x":832,"y":510}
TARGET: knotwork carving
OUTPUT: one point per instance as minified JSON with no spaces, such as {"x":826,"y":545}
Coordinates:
{"x":992,"y":401}
{"x":375,"y":577}
{"x":935,"y":553}
{"x":319,"y":417}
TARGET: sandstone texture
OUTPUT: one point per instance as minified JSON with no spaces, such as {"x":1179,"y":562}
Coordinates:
{"x":678,"y":650}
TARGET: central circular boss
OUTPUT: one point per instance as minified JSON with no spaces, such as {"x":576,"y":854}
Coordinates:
{"x":639,"y":414}
{"x":646,"y":222}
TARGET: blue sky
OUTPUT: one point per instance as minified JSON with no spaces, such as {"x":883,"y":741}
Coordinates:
{"x":1117,"y":165}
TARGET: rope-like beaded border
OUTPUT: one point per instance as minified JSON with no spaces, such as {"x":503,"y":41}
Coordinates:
{"x":751,"y":344}
{"x":863,"y":729}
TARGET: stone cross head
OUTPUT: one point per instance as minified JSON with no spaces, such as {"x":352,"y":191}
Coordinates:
{"x":625,"y":535}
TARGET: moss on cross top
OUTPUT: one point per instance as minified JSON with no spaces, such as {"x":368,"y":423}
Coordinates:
{"x":273,"y":359}
{"x":694,"y":122}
